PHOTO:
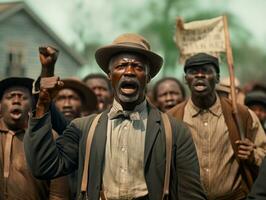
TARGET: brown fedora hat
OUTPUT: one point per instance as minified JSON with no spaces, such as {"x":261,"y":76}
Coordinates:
{"x":88,"y":98}
{"x":128,"y":42}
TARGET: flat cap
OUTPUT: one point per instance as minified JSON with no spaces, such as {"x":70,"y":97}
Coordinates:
{"x":255,"y":97}
{"x":202,"y":59}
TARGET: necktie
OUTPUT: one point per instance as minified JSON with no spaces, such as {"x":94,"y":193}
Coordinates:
{"x":125,"y":115}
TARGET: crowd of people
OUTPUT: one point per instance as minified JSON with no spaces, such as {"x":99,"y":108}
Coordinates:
{"x":107,"y":137}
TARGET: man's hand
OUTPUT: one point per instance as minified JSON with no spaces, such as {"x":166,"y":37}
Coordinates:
{"x":245,"y":150}
{"x":48,"y":56}
{"x":49,"y":86}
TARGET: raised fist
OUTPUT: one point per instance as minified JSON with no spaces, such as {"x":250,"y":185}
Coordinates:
{"x":48,"y":55}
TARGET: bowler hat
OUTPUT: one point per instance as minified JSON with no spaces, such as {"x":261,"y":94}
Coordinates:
{"x":88,"y":98}
{"x":15,"y":81}
{"x":255,"y":97}
{"x":129,"y":42}
{"x":202,"y":59}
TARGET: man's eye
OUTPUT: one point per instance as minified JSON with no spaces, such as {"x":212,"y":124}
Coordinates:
{"x":192,"y":71}
{"x":138,"y":66}
{"x":122,"y":65}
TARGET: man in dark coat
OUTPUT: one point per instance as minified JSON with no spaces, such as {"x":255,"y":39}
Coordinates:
{"x":127,"y":157}
{"x":258,"y":191}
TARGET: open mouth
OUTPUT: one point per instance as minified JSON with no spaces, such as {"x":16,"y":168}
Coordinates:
{"x":129,"y":88}
{"x":200,"y":86}
{"x":169,"y":106}
{"x":16,"y":113}
{"x":67,"y":112}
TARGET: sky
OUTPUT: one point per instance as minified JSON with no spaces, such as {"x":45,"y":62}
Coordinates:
{"x":58,"y":15}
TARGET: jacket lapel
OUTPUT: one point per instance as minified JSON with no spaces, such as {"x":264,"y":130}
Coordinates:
{"x":153,"y":126}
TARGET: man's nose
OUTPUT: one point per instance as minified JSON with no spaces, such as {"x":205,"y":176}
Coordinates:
{"x":98,"y":92}
{"x":169,"y":97}
{"x":67,"y":103}
{"x":16,"y":99}
{"x":200,"y":73}
{"x":129,"y":70}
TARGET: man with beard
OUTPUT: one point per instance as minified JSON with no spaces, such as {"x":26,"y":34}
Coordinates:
{"x":167,"y":93}
{"x":101,"y":86}
{"x":16,"y":180}
{"x":224,"y":158}
{"x":127,"y":158}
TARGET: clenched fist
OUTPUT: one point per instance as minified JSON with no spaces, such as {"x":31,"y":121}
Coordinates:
{"x":48,"y":56}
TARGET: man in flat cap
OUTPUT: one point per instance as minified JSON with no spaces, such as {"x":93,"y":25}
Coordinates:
{"x":256,"y":101}
{"x":223,"y":157}
{"x":16,"y":180}
{"x":127,"y":157}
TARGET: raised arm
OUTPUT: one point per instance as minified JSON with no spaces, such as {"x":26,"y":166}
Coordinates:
{"x":47,"y":158}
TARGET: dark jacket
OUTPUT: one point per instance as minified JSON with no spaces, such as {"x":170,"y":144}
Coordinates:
{"x":258,"y":191}
{"x":48,"y":159}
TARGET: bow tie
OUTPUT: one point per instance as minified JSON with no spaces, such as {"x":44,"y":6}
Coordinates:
{"x":125,"y":115}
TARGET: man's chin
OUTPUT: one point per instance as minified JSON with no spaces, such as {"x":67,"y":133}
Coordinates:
{"x":201,"y":92}
{"x":69,"y":116}
{"x":128,"y":98}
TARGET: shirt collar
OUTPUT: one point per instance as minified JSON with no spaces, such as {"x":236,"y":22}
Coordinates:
{"x":117,"y":107}
{"x":4,"y":129}
{"x":215,"y":109}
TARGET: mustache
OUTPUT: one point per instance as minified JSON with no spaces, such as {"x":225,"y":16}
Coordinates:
{"x":128,"y":81}
{"x":199,"y":82}
{"x":16,"y":109}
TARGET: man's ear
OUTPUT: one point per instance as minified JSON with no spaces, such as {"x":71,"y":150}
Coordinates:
{"x":217,"y":78}
{"x":185,"y":79}
{"x":109,"y":76}
{"x":148,"y":78}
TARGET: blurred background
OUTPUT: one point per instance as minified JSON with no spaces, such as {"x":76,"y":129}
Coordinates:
{"x":79,"y":27}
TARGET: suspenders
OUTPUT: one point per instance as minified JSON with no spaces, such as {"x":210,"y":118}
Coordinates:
{"x":168,"y":146}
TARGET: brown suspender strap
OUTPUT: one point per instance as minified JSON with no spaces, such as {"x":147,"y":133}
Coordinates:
{"x":7,"y":155}
{"x":91,"y":132}
{"x":168,"y":147}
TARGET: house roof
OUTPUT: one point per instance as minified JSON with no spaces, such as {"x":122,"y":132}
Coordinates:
{"x":10,"y":8}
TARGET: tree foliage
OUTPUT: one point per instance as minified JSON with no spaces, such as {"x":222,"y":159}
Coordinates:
{"x":156,"y":21}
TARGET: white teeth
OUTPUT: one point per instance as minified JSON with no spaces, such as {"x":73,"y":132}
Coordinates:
{"x":200,"y":87}
{"x":128,"y":90}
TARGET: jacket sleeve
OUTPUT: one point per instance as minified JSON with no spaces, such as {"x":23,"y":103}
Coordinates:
{"x":59,"y":189}
{"x":59,"y":122}
{"x":258,"y":191}
{"x":48,"y":158}
{"x":187,"y":166}
{"x":259,"y":139}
